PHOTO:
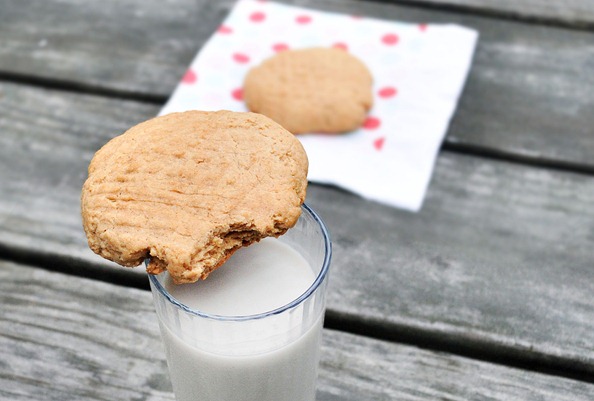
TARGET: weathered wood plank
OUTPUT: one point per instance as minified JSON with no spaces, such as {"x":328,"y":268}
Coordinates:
{"x":44,"y":170}
{"x":63,"y":337}
{"x":499,"y":257}
{"x":575,"y":13}
{"x":527,"y":94}
{"x":132,"y":46}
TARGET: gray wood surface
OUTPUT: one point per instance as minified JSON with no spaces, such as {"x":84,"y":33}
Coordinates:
{"x":64,"y":338}
{"x":499,"y":258}
{"x":576,"y":13}
{"x":528,"y":94}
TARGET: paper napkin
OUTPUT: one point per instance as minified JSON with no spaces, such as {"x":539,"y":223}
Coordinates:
{"x":418,"y":70}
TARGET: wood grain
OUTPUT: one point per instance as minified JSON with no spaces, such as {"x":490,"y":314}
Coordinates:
{"x":130,"y":46}
{"x":44,"y":162}
{"x":496,"y":262}
{"x":63,"y":337}
{"x":573,"y":13}
{"x":527,"y":95}
{"x":498,"y":259}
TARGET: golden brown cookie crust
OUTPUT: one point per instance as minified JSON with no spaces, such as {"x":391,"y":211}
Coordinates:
{"x":311,"y":90}
{"x":188,"y":189}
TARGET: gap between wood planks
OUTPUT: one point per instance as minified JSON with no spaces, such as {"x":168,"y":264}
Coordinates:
{"x":451,"y":343}
{"x":516,"y":158}
{"x":493,"y":13}
{"x":454,"y":147}
{"x":433,"y":340}
{"x":79,"y":88}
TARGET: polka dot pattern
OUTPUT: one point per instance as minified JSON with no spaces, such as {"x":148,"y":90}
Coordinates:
{"x":189,"y":77}
{"x":258,"y":29}
{"x":372,"y":123}
{"x":280,"y":47}
{"x":387,"y":92}
{"x":341,"y":46}
{"x":241,"y":58}
{"x":378,"y":143}
{"x":303,"y":19}
{"x":237,"y":94}
{"x":390,"y":39}
{"x":257,"y":16}
{"x":223,"y":29}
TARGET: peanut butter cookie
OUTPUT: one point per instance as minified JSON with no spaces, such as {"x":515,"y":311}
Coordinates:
{"x":311,"y":90}
{"x":188,"y":189}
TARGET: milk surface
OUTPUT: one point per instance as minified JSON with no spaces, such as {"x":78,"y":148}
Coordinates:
{"x":257,"y":279}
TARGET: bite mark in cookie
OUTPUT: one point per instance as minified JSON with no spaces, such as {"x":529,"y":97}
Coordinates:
{"x":189,"y":189}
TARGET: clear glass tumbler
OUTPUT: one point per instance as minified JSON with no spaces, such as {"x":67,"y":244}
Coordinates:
{"x":269,"y":356}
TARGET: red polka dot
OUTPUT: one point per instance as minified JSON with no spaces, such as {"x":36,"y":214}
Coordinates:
{"x":280,"y":47}
{"x":387,"y":91}
{"x":237,"y":94}
{"x":189,"y":77}
{"x":371,"y":123}
{"x":303,"y":19}
{"x":224,"y":30}
{"x":241,"y":58}
{"x":257,"y":16}
{"x":422,"y":27}
{"x":378,"y":144}
{"x":390,"y":39}
{"x":341,"y":46}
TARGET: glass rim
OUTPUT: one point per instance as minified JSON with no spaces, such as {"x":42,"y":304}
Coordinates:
{"x":294,"y":303}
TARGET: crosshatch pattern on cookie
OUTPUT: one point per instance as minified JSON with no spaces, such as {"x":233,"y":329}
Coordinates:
{"x":189,"y":189}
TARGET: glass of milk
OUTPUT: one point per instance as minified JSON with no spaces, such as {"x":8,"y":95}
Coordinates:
{"x":251,"y":331}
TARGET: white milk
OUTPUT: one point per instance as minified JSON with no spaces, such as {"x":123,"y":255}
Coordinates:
{"x":257,"y":279}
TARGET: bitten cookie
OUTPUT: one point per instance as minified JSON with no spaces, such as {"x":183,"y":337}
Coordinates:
{"x":188,"y":189}
{"x":311,"y":90}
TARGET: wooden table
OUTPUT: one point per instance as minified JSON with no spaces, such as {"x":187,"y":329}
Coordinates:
{"x":486,"y":294}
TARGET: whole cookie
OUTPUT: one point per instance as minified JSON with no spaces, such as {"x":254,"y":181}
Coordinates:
{"x":311,"y":90}
{"x":188,"y":189}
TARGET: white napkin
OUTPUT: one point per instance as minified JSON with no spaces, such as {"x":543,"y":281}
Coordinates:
{"x":418,"y":70}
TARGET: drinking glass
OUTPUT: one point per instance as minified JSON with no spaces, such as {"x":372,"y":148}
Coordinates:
{"x":269,"y":356}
